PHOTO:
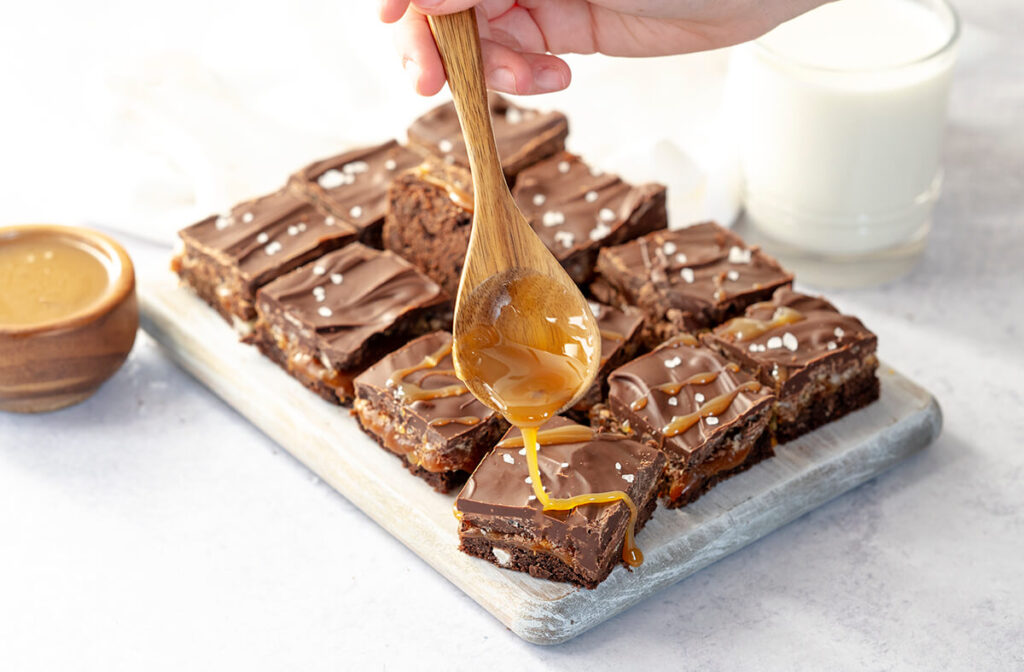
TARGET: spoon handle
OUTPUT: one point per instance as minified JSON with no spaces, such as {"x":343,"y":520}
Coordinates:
{"x":458,"y":40}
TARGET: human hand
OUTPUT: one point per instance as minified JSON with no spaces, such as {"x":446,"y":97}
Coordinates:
{"x":518,"y":39}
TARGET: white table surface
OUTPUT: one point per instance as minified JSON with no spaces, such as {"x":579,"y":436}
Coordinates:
{"x":153,"y":528}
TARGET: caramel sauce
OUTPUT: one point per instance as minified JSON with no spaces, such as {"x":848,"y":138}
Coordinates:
{"x":412,"y":392}
{"x":458,"y":196}
{"x":467,"y":420}
{"x":747,"y":328}
{"x":44,"y":278}
{"x":716,"y":406}
{"x":553,"y":436}
{"x":673,"y":388}
{"x":528,"y":364}
{"x":612,"y":335}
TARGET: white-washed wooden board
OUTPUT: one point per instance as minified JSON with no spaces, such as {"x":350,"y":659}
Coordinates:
{"x":803,"y":475}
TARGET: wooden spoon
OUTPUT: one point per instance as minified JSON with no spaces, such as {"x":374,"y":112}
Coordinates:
{"x":513,"y":292}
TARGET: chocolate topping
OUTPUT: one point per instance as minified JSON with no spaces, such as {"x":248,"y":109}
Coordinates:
{"x":449,"y":416}
{"x":571,"y":206}
{"x":523,"y":136}
{"x":353,"y":186}
{"x":680,"y":379}
{"x":499,"y":497}
{"x":267,"y":236}
{"x":814,"y":330}
{"x":350,"y":295}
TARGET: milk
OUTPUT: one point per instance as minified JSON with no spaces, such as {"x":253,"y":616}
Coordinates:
{"x":841,"y":129}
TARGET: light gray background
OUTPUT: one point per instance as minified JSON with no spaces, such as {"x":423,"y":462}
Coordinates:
{"x":152,"y":528}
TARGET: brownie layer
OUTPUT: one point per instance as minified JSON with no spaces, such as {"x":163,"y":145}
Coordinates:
{"x":412,"y":403}
{"x":353,"y":186}
{"x":226,"y":258}
{"x":702,"y":410}
{"x":502,"y":521}
{"x":328,"y":320}
{"x":522,"y":136}
{"x":686,"y":280}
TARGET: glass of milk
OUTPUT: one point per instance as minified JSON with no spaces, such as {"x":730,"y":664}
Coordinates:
{"x":841,"y":116}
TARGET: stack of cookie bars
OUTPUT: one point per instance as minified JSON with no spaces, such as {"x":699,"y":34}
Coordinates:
{"x":345,"y":278}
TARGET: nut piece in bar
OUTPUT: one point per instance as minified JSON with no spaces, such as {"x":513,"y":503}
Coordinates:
{"x":226,"y":258}
{"x":414,"y":406}
{"x":709,"y":417}
{"x":620,"y":342}
{"x":352,"y":186}
{"x":821,"y":363}
{"x":523,"y":136}
{"x":576,"y":210}
{"x":327,"y":321}
{"x":502,"y":521}
{"x":687,"y":280}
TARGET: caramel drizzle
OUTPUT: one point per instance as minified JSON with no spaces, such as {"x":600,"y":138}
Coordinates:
{"x":612,"y":335}
{"x":716,"y":406}
{"x":412,"y":392}
{"x":458,"y":196}
{"x":747,"y":328}
{"x":631,"y":555}
{"x":552,"y":437}
{"x":673,"y":388}
{"x":467,"y":420}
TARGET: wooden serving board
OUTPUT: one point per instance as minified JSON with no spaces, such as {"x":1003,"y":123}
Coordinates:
{"x":804,"y":474}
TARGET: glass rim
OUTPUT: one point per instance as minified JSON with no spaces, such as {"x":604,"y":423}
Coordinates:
{"x":951,"y":40}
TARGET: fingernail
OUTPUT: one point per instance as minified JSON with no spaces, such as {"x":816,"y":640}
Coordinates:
{"x":549,"y":79}
{"x":428,"y":4}
{"x":412,"y":71}
{"x":503,"y":79}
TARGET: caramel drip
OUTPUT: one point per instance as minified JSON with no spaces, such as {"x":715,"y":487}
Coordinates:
{"x":686,"y":339}
{"x":612,"y":335}
{"x":467,"y":420}
{"x":716,"y":406}
{"x":412,"y":392}
{"x":747,"y":328}
{"x":673,"y":388}
{"x":458,"y":196}
{"x":553,"y":436}
{"x":639,"y":404}
{"x":631,"y":555}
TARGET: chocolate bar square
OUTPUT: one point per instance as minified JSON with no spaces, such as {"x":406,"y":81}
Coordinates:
{"x":327,"y":321}
{"x":414,"y":406}
{"x":821,"y":363}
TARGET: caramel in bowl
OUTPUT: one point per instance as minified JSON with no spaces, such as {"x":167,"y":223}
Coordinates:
{"x":68,"y":315}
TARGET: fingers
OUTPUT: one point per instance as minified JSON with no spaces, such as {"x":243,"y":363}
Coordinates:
{"x":513,"y":72}
{"x":443,"y":6}
{"x":392,"y":10}
{"x":420,"y":60}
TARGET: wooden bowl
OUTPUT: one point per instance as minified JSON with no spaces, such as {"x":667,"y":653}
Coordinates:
{"x":62,"y":361}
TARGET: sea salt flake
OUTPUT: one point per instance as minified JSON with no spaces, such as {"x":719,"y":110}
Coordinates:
{"x":607,"y":215}
{"x":838,"y":331}
{"x":262,"y":238}
{"x":789,"y":340}
{"x":301,"y":227}
{"x":333,"y":179}
{"x":222,"y":222}
{"x":336,"y":278}
{"x":596,"y":172}
{"x":628,"y":478}
{"x":699,"y":398}
{"x":538,"y":199}
{"x":355,"y":167}
{"x":324,"y":311}
{"x":329,"y":220}
{"x":711,"y":420}
{"x":590,"y":196}
{"x":514,"y":115}
{"x":600,"y":231}
{"x":618,"y":466}
{"x":522,"y":451}
{"x":565,"y":238}
{"x":732,"y":275}
{"x":774,"y":343}
{"x":508,"y":458}
{"x":669,"y":248}
{"x":672,"y":401}
{"x":739,"y":255}
{"x":445,"y":146}
{"x":528,"y":480}
{"x":831,"y":345}
{"x":680,"y":258}
{"x":273,"y":248}
{"x":293,"y":230}
{"x":687,"y":275}
{"x":247,"y":217}
{"x":356,"y":212}
{"x":673,"y":363}
{"x":565,"y":465}
{"x":319,"y":270}
{"x":390,"y":164}
{"x":552,"y":218}
{"x":563,"y":167}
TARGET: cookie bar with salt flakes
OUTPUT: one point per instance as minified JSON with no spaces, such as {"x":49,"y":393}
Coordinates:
{"x":687,"y":280}
{"x":709,"y":417}
{"x":226,"y":258}
{"x":501,"y":520}
{"x":325,"y":322}
{"x":620,"y":342}
{"x":522,"y":136}
{"x":414,"y":406}
{"x":576,"y":209}
{"x":821,"y":363}
{"x":353,"y":186}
